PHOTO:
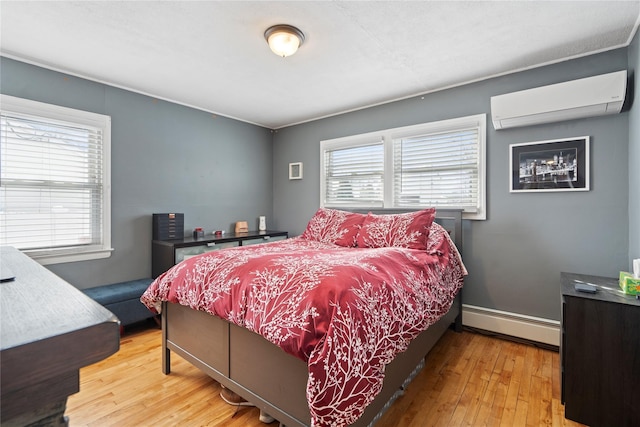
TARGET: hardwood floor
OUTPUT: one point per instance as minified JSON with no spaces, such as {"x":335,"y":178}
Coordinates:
{"x":469,"y":380}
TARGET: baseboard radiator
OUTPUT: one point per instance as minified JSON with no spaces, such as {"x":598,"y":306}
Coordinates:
{"x":529,"y":328}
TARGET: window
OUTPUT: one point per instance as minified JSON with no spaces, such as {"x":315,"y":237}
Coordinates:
{"x":354,"y":175}
{"x":54,"y":181}
{"x":439,"y":164}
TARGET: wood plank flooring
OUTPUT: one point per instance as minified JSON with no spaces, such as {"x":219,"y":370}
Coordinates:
{"x":469,"y":380}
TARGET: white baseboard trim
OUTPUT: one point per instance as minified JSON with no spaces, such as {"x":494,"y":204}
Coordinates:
{"x":516,"y":325}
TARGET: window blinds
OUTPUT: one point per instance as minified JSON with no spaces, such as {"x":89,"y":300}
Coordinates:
{"x":51,"y":184}
{"x":354,"y":175}
{"x":437,"y":164}
{"x":438,"y":170}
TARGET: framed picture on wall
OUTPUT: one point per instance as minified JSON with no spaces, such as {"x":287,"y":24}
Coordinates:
{"x":556,"y":165}
{"x":295,"y":170}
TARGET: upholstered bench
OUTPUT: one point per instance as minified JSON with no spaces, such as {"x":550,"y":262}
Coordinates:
{"x":123,"y":300}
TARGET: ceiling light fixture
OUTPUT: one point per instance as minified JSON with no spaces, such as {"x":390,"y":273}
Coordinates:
{"x":284,"y":40}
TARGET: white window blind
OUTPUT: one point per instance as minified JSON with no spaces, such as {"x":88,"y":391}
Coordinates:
{"x":354,"y":175}
{"x":439,"y":164}
{"x":53,"y":184}
{"x":439,"y":170}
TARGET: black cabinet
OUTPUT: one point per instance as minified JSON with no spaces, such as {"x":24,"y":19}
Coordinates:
{"x":167,"y":253}
{"x":600,"y":353}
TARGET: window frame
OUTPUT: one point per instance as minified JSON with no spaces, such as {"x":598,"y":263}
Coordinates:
{"x":388,"y":136}
{"x":11,"y":105}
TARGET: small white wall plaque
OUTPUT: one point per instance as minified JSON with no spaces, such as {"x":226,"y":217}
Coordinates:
{"x":295,"y":170}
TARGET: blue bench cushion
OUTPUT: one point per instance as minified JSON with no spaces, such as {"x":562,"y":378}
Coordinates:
{"x":117,"y":292}
{"x":123,"y":300}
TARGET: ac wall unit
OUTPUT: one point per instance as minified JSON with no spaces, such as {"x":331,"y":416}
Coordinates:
{"x":575,"y":99}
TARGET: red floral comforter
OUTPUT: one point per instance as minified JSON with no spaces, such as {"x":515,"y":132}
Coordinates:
{"x":345,"y":311}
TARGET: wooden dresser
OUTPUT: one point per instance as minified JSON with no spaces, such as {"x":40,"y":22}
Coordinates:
{"x":48,"y":331}
{"x":600,"y":353}
{"x":167,"y":253}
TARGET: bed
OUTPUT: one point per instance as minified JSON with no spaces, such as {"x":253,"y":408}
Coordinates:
{"x":322,"y":329}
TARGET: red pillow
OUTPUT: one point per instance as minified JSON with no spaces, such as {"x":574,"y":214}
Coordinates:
{"x":409,"y":230}
{"x":334,"y":226}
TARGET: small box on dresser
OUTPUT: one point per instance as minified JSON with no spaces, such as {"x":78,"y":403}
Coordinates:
{"x":168,"y":226}
{"x":630,"y":285}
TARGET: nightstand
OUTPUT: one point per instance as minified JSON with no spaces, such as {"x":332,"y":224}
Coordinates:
{"x":600,"y":353}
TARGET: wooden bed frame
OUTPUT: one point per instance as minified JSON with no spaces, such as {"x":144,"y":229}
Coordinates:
{"x":273,"y":380}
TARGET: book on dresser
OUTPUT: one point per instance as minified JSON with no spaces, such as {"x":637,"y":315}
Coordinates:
{"x":166,"y":253}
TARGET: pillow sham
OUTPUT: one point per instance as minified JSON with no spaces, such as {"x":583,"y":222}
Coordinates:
{"x":407,"y":230}
{"x":334,"y":226}
{"x":437,"y":239}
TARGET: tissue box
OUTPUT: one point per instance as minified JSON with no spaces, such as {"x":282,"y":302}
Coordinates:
{"x":629,"y":284}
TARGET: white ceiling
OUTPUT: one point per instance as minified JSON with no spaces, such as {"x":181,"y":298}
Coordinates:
{"x":212,"y":55}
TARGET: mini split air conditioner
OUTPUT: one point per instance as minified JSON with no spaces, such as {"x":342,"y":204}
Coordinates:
{"x":575,"y":99}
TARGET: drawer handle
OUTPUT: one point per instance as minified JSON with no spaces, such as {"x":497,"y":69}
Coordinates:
{"x":266,"y":237}
{"x":211,"y":244}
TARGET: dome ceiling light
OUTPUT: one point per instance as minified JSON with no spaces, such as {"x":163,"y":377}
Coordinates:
{"x":284,"y":40}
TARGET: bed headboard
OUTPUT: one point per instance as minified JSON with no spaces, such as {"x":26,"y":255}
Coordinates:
{"x":451,"y":220}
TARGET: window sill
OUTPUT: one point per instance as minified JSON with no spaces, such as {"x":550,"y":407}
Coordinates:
{"x":59,"y":258}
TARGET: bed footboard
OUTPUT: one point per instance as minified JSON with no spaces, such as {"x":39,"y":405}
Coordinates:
{"x":265,"y":375}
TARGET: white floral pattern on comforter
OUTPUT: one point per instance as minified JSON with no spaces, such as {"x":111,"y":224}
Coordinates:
{"x":345,"y":311}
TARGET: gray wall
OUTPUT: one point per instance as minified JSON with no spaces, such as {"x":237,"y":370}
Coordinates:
{"x":634,"y":155}
{"x":514,"y":257}
{"x":165,"y":158}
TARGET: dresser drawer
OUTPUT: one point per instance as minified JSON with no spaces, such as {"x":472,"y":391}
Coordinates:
{"x":187,"y":252}
{"x":263,"y":239}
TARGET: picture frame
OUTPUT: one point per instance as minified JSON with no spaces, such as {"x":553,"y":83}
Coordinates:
{"x":295,"y":170}
{"x":553,"y":165}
